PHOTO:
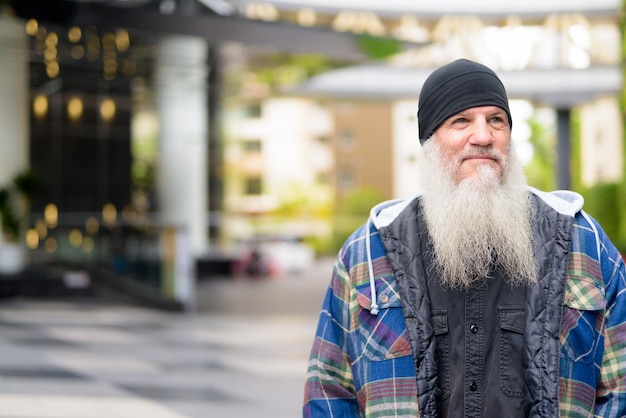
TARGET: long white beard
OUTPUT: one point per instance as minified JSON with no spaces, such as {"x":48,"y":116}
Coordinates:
{"x":479,"y":224}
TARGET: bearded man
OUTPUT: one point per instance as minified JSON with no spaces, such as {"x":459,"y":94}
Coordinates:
{"x":480,"y":296}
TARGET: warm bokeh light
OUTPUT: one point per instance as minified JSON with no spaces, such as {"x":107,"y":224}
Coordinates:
{"x":42,"y":229}
{"x":77,"y":52}
{"x":41,"y":33}
{"x":107,"y":110}
{"x":32,"y":27}
{"x":75,"y":238}
{"x":109,"y":214}
{"x":74,"y":34}
{"x":261,"y":11}
{"x":306,"y":17}
{"x":122,"y":40}
{"x":50,"y":244}
{"x":52,"y":69}
{"x":93,"y":44}
{"x":92,"y":225}
{"x":88,"y":245}
{"x":50,"y":54}
{"x":51,"y":215}
{"x":109,"y":69}
{"x":52,"y":40}
{"x":32,"y":238}
{"x":40,"y":106}
{"x":363,"y":22}
{"x":409,"y":29}
{"x":108,"y":40}
{"x":75,"y":108}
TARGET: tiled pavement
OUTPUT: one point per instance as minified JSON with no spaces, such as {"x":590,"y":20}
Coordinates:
{"x":84,"y":360}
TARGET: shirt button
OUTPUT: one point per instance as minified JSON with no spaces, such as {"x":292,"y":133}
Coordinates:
{"x":473,"y":328}
{"x":473,"y":386}
{"x":384,"y":299}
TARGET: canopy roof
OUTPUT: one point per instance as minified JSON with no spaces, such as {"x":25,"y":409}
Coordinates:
{"x":441,"y":7}
{"x":555,"y":87}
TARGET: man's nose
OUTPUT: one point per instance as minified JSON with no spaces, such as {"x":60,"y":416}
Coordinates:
{"x":481,"y":133}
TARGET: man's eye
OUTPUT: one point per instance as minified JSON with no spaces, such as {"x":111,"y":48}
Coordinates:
{"x":460,"y":120}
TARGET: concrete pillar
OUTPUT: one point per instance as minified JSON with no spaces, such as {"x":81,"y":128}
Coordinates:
{"x":181,"y":96}
{"x":563,"y":178}
{"x":14,"y":98}
{"x":14,"y":121}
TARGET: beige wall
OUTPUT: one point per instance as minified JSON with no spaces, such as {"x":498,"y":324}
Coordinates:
{"x":601,"y":142}
{"x":369,"y":154}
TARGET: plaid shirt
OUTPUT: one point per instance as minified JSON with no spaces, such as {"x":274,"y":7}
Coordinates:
{"x":361,"y":364}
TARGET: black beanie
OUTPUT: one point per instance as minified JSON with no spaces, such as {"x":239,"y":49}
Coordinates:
{"x":457,"y":86}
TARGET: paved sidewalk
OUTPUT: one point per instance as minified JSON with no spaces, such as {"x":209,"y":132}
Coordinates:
{"x":243,"y":357}
{"x":292,"y":294}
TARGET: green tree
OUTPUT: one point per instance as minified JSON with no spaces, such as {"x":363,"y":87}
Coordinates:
{"x":282,"y":70}
{"x":601,"y":199}
{"x":352,"y":211}
{"x":378,"y":48}
{"x":15,"y":200}
{"x":540,"y":169}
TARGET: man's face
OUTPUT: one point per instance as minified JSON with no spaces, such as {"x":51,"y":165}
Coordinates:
{"x":474,"y":139}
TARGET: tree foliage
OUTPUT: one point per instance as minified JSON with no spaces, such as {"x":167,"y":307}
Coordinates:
{"x":15,"y":199}
{"x":378,"y":48}
{"x":353,"y":211}
{"x":540,"y":169}
{"x":281,"y":70}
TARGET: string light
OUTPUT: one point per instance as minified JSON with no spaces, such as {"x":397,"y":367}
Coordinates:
{"x":75,"y":108}
{"x":40,"y":106}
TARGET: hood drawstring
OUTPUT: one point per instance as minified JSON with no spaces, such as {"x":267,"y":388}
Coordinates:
{"x":381,"y":215}
{"x":370,"y":267}
{"x":595,"y":231}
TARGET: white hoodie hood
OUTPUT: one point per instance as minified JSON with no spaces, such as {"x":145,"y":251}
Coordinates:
{"x":563,"y":201}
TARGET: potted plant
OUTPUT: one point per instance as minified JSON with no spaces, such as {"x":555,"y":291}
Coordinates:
{"x":15,"y":200}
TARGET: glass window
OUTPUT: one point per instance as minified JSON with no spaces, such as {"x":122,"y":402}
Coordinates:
{"x":346,"y":138}
{"x":253,"y":145}
{"x":323,"y":178}
{"x":253,"y":186}
{"x":346,"y":179}
{"x":253,"y":110}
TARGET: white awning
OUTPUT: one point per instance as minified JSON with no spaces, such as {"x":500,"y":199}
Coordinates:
{"x":556,"y":87}
{"x":440,"y":7}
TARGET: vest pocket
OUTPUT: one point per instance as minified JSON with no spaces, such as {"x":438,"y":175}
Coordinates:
{"x":511,"y":345}
{"x":442,"y":341}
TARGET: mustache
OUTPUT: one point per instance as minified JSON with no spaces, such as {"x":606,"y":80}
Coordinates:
{"x":483,"y":151}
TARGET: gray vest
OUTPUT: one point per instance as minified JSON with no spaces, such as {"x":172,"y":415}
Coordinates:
{"x":542,"y":306}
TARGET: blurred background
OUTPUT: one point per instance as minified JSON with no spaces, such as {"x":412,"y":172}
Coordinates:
{"x":150,"y":143}
{"x":160,"y":152}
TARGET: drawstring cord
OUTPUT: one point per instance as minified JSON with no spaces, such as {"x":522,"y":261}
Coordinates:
{"x":595,"y":231}
{"x":370,"y":267}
